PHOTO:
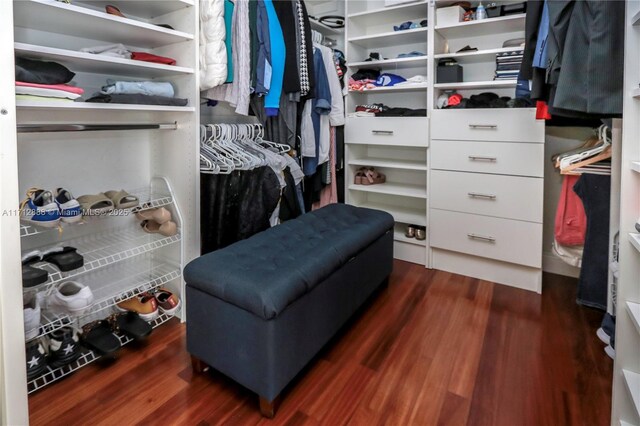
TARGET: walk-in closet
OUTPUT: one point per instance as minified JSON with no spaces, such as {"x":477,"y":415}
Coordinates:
{"x":329,"y":212}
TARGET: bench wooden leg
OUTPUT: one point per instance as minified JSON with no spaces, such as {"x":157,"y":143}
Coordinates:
{"x":197,"y":365}
{"x":268,"y":409}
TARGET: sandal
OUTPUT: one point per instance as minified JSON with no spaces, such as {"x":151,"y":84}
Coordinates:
{"x":32,"y":276}
{"x":99,"y":337}
{"x":168,"y":229}
{"x":95,"y":205}
{"x":122,"y":199}
{"x":65,"y":258}
{"x":112,"y":10}
{"x":131,"y":324}
{"x":373,"y":177}
{"x":160,"y":215}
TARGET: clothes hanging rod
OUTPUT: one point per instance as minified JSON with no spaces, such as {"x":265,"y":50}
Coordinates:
{"x":41,"y":128}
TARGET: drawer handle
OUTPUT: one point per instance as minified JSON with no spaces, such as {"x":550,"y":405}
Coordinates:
{"x":481,"y":158}
{"x":382,"y":132}
{"x":483,"y":196}
{"x":483,"y":126}
{"x":481,"y":238}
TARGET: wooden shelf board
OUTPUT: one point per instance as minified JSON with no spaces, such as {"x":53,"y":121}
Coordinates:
{"x":635,"y":240}
{"x":392,"y":38}
{"x":635,"y":166}
{"x":76,"y":106}
{"x":491,"y":26}
{"x":411,"y":9}
{"x":403,"y":190}
{"x":400,"y":213}
{"x":99,"y":64}
{"x":145,"y":9}
{"x":391,"y":164}
{"x":491,"y":84}
{"x":62,"y":18}
{"x":633,"y":386}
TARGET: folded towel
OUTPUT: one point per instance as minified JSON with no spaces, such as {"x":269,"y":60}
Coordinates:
{"x":113,"y":50}
{"x":137,"y":99}
{"x":151,"y":88}
{"x":52,"y":93}
{"x":41,"y":98}
{"x":64,"y":87}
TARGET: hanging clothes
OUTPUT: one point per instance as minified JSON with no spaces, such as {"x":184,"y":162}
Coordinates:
{"x":571,"y":220}
{"x":278,"y":56}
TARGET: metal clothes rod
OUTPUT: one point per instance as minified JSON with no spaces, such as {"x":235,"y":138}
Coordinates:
{"x":41,"y":128}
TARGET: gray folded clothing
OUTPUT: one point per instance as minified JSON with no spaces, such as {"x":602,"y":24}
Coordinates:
{"x":113,"y":50}
{"x":137,"y":99}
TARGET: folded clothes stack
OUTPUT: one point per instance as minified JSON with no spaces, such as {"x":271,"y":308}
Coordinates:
{"x":138,"y":92}
{"x":482,"y":100}
{"x":508,"y":65}
{"x":44,"y":81}
{"x":366,"y":79}
{"x":381,"y":110}
{"x":121,"y":51}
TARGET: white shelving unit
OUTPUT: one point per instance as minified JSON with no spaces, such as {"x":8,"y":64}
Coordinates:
{"x":121,"y":260}
{"x":626,"y":377}
{"x":400,"y":155}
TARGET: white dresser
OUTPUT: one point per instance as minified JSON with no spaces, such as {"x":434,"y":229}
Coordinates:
{"x":486,"y":187}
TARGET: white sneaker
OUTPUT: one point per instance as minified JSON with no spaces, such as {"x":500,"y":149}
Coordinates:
{"x":602,"y":335}
{"x":70,"y":297}
{"x":31,"y":312}
{"x":610,"y":351}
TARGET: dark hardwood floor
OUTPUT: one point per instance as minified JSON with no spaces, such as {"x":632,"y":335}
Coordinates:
{"x":432,"y":349}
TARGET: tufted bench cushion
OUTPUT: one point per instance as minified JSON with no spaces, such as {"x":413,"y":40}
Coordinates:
{"x":267,"y":272}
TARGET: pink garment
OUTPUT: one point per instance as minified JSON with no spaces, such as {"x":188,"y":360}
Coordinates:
{"x":361,"y":85}
{"x":571,"y":220}
{"x":329,"y":194}
{"x":63,"y":87}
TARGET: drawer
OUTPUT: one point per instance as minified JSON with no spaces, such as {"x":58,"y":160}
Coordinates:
{"x":507,"y":125}
{"x":500,"y":239}
{"x":509,"y":197}
{"x":402,"y":131}
{"x":520,"y":159}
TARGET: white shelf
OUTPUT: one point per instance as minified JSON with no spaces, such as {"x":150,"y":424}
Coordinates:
{"x":61,"y":18}
{"x":150,"y":198}
{"x":77,"y":106}
{"x":390,"y":164}
{"x":400,"y":213}
{"x":634,"y":312}
{"x":379,"y":143}
{"x":113,"y":285}
{"x":325,"y":29}
{"x":636,"y":93}
{"x":398,"y":235}
{"x":636,"y":19}
{"x":393,"y":63}
{"x":635,"y":240}
{"x":390,"y":89}
{"x":145,"y":9}
{"x":87,"y":357}
{"x":416,"y":9}
{"x":467,"y":85}
{"x":391,"y":38}
{"x":484,"y":27}
{"x":623,"y":423}
{"x":99,"y":64}
{"x":400,"y":189}
{"x":635,"y":166}
{"x":479,"y":56}
{"x":633,"y":386}
{"x":106,"y":248}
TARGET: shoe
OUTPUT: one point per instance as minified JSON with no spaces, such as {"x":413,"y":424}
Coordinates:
{"x":112,"y":10}
{"x":32,"y":276}
{"x":39,"y":208}
{"x":64,"y":347}
{"x":610,"y":351}
{"x":603,"y":336}
{"x":160,"y":215}
{"x":410,"y":232}
{"x":130,"y":324}
{"x":403,"y":26}
{"x":373,"y":56}
{"x":143,"y":304}
{"x":36,"y":359}
{"x":421,"y":233}
{"x":70,"y":211}
{"x":168,"y":229}
{"x":71,"y":298}
{"x":31,"y":311}
{"x":167,"y":301}
{"x":98,"y":336}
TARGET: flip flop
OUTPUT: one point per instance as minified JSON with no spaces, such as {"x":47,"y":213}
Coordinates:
{"x":122,"y":199}
{"x":31,"y":276}
{"x":168,"y":229}
{"x":99,"y":337}
{"x":66,"y":259}
{"x":97,"y":204}
{"x":130,"y":324}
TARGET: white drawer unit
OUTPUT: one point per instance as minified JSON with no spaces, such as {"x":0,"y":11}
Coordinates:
{"x":400,"y":131}
{"x":520,"y":159}
{"x":500,"y":239}
{"x":507,"y":125}
{"x":509,"y":197}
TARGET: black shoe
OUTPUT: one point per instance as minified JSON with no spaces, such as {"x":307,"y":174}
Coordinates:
{"x":36,"y":359}
{"x":64,"y":347}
